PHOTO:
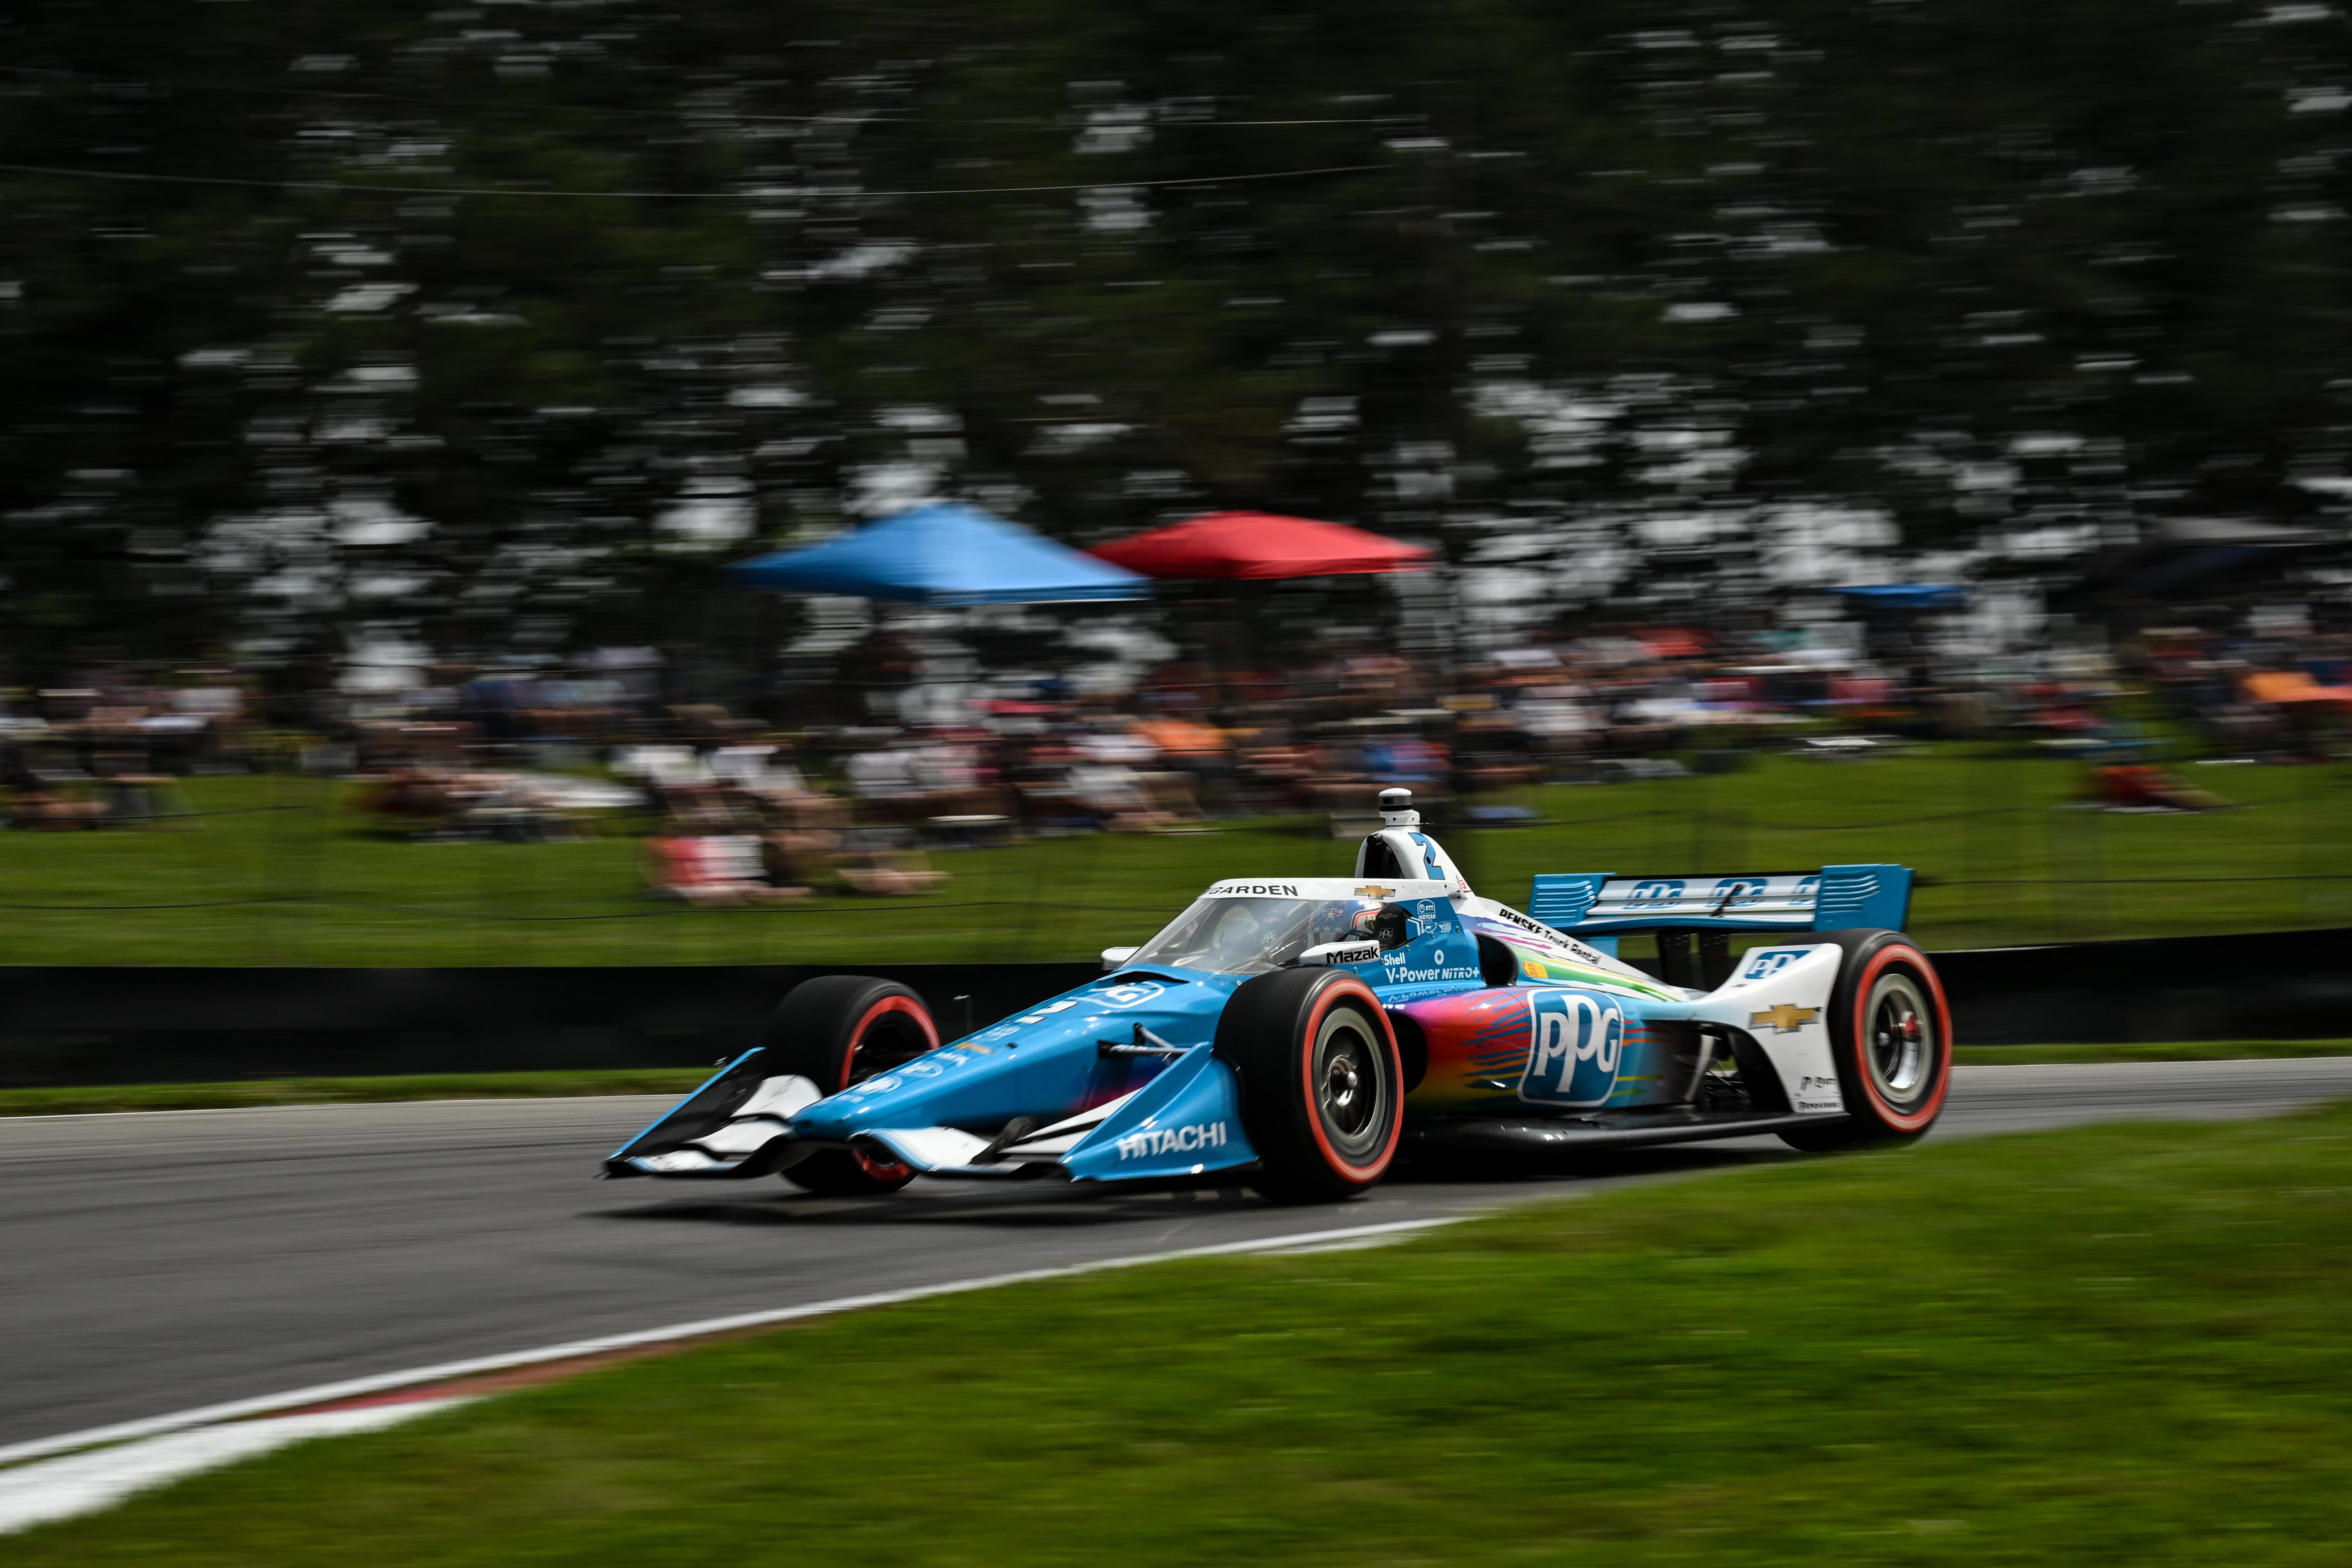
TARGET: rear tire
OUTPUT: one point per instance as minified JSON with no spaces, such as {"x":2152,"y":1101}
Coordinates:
{"x":1891,"y":1037}
{"x":837,"y":1030}
{"x":1321,"y":1083}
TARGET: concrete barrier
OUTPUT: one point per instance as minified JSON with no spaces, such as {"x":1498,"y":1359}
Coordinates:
{"x":62,"y":1025}
{"x":90,"y":1026}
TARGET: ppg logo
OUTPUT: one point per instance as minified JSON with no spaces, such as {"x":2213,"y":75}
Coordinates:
{"x":1733,"y":891}
{"x":1659,"y":890}
{"x":1771,"y":961}
{"x":1578,"y":1042}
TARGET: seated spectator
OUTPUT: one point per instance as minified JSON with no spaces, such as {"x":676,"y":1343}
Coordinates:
{"x":2138,"y":786}
{"x":1118,"y":798}
{"x":712,"y":869}
{"x":774,"y":787}
{"x":884,"y":774}
{"x":37,"y":806}
{"x":876,"y":864}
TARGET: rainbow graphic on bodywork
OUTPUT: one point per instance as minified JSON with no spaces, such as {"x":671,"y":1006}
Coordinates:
{"x":1480,"y":1047}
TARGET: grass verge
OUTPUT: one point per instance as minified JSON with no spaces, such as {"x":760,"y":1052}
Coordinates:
{"x":2116,"y":1345}
{"x":345,"y":1091}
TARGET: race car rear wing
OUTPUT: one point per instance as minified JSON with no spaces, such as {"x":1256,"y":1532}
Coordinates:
{"x":1601,"y":907}
{"x":1833,"y":898}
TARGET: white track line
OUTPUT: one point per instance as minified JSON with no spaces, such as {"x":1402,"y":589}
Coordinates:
{"x":352,"y":1388}
{"x":85,"y":1483}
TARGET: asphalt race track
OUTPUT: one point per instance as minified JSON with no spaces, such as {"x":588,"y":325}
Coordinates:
{"x":165,"y":1260}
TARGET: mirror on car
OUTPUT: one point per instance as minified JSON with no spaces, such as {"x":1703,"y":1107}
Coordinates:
{"x":1112,"y":957}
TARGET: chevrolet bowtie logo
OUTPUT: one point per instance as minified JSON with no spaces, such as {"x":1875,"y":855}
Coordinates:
{"x":1374,"y":890}
{"x":1786,"y":1017}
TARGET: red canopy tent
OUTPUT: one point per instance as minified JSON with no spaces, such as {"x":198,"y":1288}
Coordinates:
{"x":1257,"y":545}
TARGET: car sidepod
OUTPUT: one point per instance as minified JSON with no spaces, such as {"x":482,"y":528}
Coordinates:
{"x":1514,"y":1048}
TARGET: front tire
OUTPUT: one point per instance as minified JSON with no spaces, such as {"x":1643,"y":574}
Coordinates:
{"x":1891,"y":1037}
{"x":837,"y":1030}
{"x":1321,"y":1082}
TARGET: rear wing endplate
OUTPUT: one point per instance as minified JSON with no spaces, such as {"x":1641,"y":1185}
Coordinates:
{"x":1836,"y":898}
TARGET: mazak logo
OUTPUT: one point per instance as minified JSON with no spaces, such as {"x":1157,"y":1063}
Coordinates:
{"x":1576,"y":1047}
{"x":1657,"y":890}
{"x":1189,"y":1140}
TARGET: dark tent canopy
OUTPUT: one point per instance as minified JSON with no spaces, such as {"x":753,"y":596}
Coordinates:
{"x":1258,"y":546}
{"x":948,"y":553}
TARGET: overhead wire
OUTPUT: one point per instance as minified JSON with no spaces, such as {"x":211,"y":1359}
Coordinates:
{"x":754,"y":191}
{"x":838,"y":116}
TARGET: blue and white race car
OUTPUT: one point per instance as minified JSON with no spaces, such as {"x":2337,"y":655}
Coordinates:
{"x":1300,"y":1033}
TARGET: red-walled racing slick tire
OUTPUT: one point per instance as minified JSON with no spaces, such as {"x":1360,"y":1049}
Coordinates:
{"x":1891,"y":1036}
{"x":1322,"y":1091}
{"x":840,"y":1029}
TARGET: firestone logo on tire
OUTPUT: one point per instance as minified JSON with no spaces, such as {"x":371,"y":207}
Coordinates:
{"x":1575,"y":1047}
{"x":1173,"y":1141}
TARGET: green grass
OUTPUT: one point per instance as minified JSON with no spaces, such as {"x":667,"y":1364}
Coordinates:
{"x":345,"y":1091}
{"x":293,"y":878}
{"x":101,"y":1097}
{"x":2122,"y":1344}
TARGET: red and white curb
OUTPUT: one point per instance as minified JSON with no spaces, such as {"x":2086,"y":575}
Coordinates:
{"x":81,"y":1472}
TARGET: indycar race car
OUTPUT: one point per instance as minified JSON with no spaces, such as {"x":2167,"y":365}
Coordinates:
{"x":1300,"y":1033}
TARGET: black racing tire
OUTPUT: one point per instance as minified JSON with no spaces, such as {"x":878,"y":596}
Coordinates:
{"x":1891,"y":1037}
{"x":1322,"y":1085}
{"x":840,"y":1029}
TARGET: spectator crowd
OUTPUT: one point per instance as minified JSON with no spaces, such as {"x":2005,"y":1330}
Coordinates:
{"x":741,"y":805}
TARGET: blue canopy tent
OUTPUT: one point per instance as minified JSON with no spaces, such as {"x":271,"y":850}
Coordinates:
{"x":1908,"y":595}
{"x":947,"y":554}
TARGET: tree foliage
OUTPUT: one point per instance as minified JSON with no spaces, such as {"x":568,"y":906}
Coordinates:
{"x":487,"y":330}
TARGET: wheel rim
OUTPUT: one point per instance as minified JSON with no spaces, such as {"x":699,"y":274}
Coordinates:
{"x":880,"y":1169}
{"x":1352,"y":1091}
{"x":1900,"y":1047}
{"x":888,"y":1041}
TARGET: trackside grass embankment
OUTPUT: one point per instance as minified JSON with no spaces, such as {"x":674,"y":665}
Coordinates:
{"x":284,"y":870}
{"x":103,"y":1098}
{"x":2116,"y":1345}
